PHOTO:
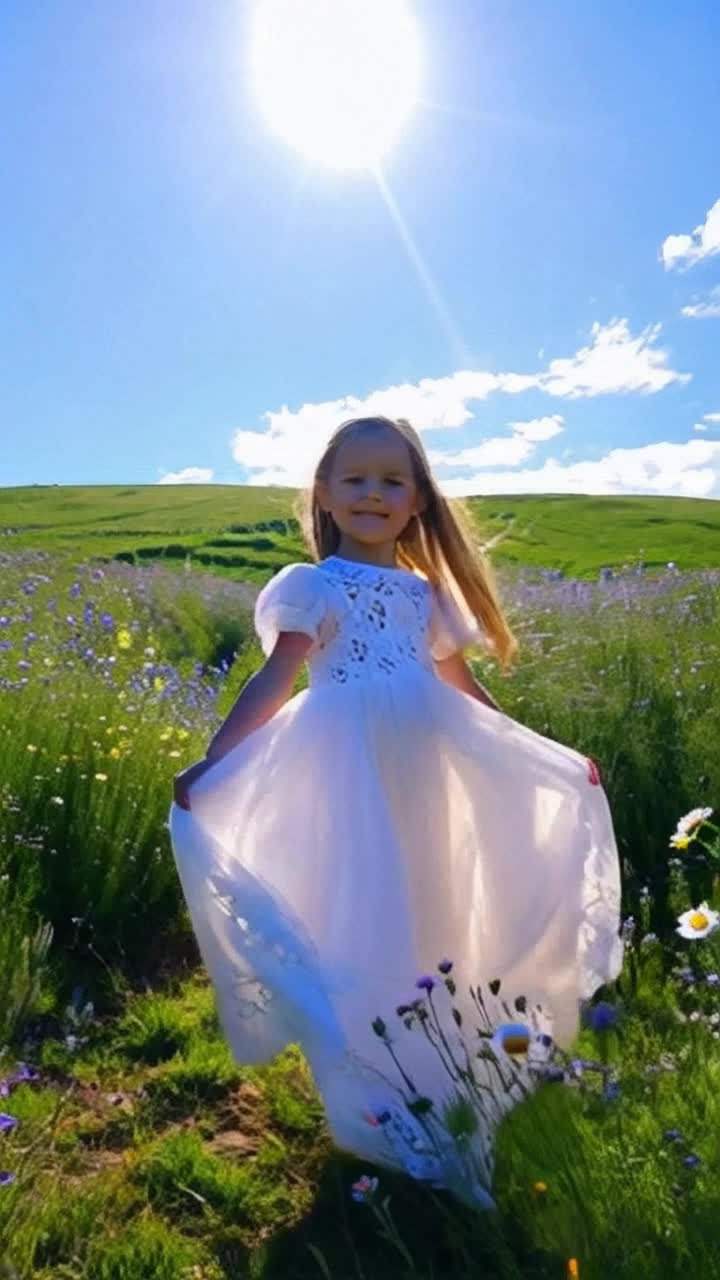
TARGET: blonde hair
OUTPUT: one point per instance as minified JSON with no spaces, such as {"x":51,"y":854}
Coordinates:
{"x":439,"y":542}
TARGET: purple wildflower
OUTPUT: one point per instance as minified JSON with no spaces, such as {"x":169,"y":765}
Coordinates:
{"x":426,"y":983}
{"x":445,"y":966}
{"x":107,"y":621}
{"x":6,"y":1178}
{"x":7,"y":1122}
{"x":75,"y":590}
{"x":692,"y":1161}
{"x":672,"y":1135}
{"x":602,"y":1016}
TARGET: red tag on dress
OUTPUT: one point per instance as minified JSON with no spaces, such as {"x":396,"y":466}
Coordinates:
{"x":594,"y":772}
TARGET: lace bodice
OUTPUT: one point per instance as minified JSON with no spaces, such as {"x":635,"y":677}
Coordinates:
{"x":365,"y":621}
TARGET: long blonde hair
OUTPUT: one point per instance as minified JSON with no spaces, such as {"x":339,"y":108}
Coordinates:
{"x":439,"y":542}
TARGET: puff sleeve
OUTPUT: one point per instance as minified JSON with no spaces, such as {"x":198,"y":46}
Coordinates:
{"x":451,"y":629}
{"x":294,"y":600}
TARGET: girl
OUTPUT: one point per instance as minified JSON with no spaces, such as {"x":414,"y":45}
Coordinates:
{"x":334,"y":845}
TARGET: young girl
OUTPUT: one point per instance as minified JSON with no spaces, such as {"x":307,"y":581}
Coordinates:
{"x":336,"y":845}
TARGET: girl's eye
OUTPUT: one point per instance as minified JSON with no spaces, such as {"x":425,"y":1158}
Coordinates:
{"x":353,"y":479}
{"x":395,"y":482}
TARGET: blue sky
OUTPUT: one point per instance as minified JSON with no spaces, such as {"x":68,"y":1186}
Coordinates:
{"x":184,"y":294}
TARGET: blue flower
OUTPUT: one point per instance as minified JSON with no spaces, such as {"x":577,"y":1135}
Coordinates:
{"x":692,"y":1161}
{"x":6,"y":1178}
{"x":672,"y":1135}
{"x":602,"y":1016}
{"x":425,"y":983}
{"x":75,"y":590}
{"x":107,"y":621}
{"x":7,"y":1122}
{"x":445,"y":966}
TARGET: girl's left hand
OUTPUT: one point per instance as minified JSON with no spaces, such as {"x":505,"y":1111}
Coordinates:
{"x":184,"y":780}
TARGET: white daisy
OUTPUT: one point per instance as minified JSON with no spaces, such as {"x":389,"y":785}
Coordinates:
{"x":699,"y":922}
{"x":687,"y":826}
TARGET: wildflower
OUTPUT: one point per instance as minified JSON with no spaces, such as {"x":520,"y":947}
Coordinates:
{"x":174,"y":755}
{"x":573,"y":1269}
{"x":672,"y":1135}
{"x":602,"y":1016}
{"x":698,"y":923}
{"x":628,"y":929}
{"x":692,"y":1161}
{"x":364,"y":1188}
{"x":378,"y":1027}
{"x":58,"y":800}
{"x":511,"y":1038}
{"x":124,"y":639}
{"x":7,"y":1122}
{"x":648,"y":939}
{"x":426,"y":983}
{"x":688,"y":826}
{"x":712,"y":979}
{"x":107,"y":621}
{"x":444,"y":966}
{"x":611,"y":1092}
{"x":166,"y":735}
{"x":539,"y":1188}
{"x":101,"y":777}
{"x":31,"y":747}
{"x":6,"y":1178}
{"x":158,"y":684}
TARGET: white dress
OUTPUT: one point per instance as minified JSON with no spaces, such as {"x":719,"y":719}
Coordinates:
{"x":378,"y":824}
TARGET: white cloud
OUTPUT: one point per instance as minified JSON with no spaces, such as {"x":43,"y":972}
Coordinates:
{"x":706,"y":309}
{"x":700,"y":426}
{"x":502,"y":451}
{"x":711,"y":417}
{"x":497,"y":451}
{"x":189,"y":475}
{"x":614,"y":362}
{"x":690,"y":469}
{"x":538,"y":429}
{"x":684,"y":250}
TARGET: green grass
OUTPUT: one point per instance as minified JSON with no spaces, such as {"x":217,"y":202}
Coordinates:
{"x":144,"y":1149}
{"x":243,"y":532}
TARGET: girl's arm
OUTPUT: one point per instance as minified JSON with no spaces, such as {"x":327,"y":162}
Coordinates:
{"x":456,"y":672}
{"x":263,"y":695}
{"x":259,"y":699}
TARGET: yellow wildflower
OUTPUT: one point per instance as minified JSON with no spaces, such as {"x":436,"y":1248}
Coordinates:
{"x":573,"y":1269}
{"x":539,"y":1188}
{"x":174,"y":755}
{"x":158,"y":684}
{"x":124,"y":638}
{"x":165,"y":735}
{"x":101,"y":777}
{"x":183,"y":734}
{"x":31,"y":746}
{"x":115,"y":753}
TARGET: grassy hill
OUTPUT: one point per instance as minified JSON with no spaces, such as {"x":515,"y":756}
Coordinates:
{"x":247,"y":532}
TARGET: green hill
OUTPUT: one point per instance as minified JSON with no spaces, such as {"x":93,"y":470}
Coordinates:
{"x":247,"y":532}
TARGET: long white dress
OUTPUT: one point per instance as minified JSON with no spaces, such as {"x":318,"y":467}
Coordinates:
{"x":380,"y":823}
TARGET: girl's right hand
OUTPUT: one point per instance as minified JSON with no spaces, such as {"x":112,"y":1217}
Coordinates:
{"x":184,"y":780}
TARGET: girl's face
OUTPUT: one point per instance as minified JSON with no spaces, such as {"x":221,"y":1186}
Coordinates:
{"x":371,"y":492}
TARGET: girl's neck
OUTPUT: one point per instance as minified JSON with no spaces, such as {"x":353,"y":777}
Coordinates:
{"x":382,"y":555}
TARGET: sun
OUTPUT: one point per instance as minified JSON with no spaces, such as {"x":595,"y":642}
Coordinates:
{"x":336,"y":79}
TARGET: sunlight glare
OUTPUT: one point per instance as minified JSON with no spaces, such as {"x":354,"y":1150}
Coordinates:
{"x":336,"y":79}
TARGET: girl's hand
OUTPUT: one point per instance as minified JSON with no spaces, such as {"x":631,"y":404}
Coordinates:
{"x":183,"y":782}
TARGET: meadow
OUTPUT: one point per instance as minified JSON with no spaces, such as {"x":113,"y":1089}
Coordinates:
{"x":132,"y":1145}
